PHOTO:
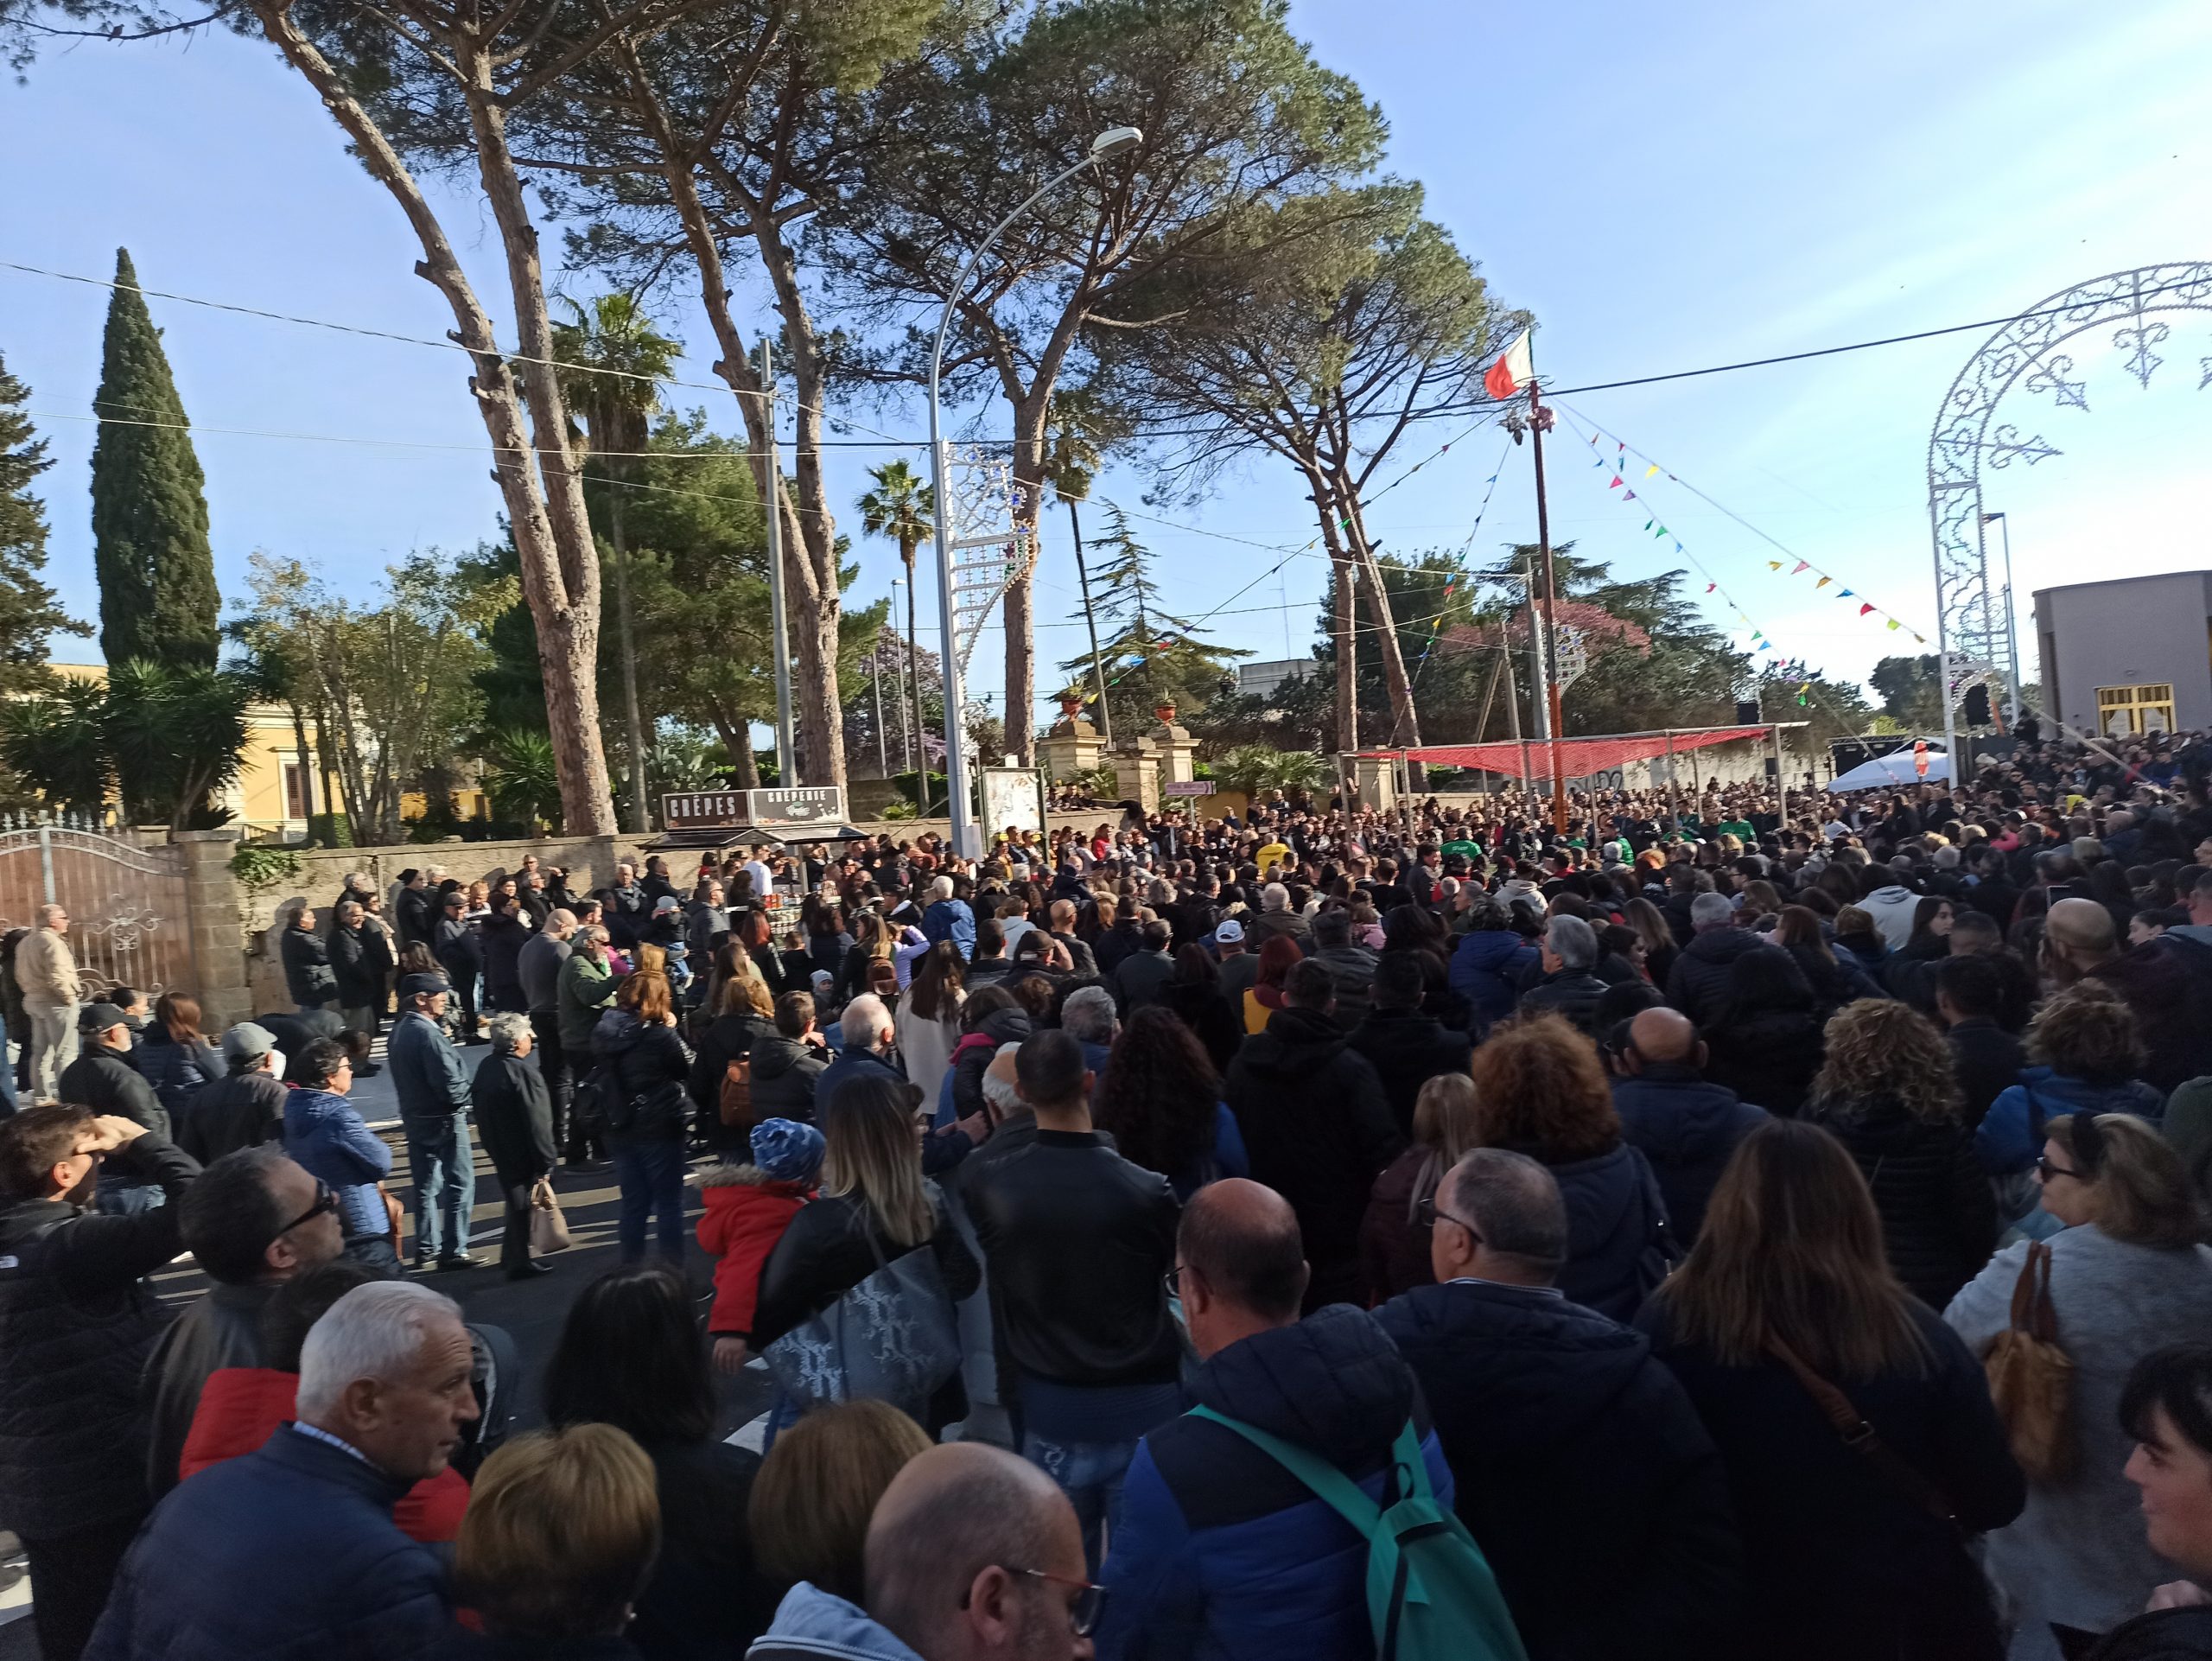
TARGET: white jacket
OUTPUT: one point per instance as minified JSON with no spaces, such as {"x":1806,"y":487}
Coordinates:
{"x":46,"y":971}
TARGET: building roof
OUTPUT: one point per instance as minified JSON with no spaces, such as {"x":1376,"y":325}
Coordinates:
{"x":2118,"y":582}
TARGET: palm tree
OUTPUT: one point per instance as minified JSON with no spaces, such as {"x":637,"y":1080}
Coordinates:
{"x":615,"y":333}
{"x":899,"y":507}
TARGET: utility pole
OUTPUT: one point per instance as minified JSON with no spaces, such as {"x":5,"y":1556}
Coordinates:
{"x":1091,"y":618}
{"x":905,"y":731}
{"x":786,"y":776}
{"x":876,"y":686}
{"x":640,"y":814}
{"x":2011,"y":625}
{"x":1538,"y":416}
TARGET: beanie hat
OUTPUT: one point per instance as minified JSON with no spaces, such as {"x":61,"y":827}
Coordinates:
{"x":786,"y":1151}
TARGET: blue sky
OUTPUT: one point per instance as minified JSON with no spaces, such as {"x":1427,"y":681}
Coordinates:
{"x":1665,"y":187}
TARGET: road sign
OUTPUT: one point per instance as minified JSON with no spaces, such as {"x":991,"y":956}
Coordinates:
{"x":1188,"y":787}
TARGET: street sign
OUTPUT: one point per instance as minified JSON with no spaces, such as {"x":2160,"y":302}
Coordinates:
{"x":768,"y":809}
{"x":1188,"y":787}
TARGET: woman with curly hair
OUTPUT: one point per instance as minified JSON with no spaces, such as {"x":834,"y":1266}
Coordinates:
{"x":1888,"y":1090}
{"x":1539,"y":1089}
{"x":2084,"y":1051}
{"x":1162,"y":1099}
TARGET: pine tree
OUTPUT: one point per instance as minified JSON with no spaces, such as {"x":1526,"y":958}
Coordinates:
{"x":149,"y":505}
{"x":1151,"y":655}
{"x":28,"y":610}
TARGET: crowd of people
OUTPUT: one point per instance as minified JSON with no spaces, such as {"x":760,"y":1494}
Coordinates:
{"x":1698,"y":1230}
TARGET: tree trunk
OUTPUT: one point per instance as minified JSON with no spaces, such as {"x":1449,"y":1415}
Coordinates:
{"x":640,"y":814}
{"x":1021,"y":714}
{"x":1343,"y":618}
{"x":1405,"y":720}
{"x":567,"y":635}
{"x":736,"y":733}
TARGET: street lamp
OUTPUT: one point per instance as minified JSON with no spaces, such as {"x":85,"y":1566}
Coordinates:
{"x":2011,"y":625}
{"x":967,"y":837}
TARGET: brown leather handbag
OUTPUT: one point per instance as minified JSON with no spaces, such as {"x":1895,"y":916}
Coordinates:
{"x":2031,"y":1378}
{"x":736,"y":1096}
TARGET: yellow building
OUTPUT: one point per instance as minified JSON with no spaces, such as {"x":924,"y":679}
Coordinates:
{"x":269,"y":796}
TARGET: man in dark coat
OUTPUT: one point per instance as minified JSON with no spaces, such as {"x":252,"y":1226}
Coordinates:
{"x":461,"y":954}
{"x":254,"y":1220}
{"x":1699,"y":983}
{"x":1969,"y":997}
{"x":1406,"y":1047}
{"x":1569,"y":988}
{"x":77,"y":1321}
{"x":412,"y":913}
{"x":359,"y":961}
{"x":101,"y":1077}
{"x":1316,"y":1126}
{"x":291,"y":1549}
{"x":245,"y":1106}
{"x":514,"y":1121}
{"x":1137,"y":979}
{"x":1687,"y":1126}
{"x":788,"y":1063}
{"x":308,"y":978}
{"x":1219,"y":1551}
{"x":1351,"y":967}
{"x":1541,"y":1404}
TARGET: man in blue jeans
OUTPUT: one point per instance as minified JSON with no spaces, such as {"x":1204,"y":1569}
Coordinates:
{"x":1079,"y":1243}
{"x":433,"y":1089}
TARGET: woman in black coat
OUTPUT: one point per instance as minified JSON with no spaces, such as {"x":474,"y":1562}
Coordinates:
{"x":1764,"y":1043}
{"x":631,"y":1355}
{"x":1846,"y":1558}
{"x":741,"y":1012}
{"x":642,"y":1068}
{"x":1888,"y":1090}
{"x":1192,"y":995}
{"x":504,"y":935}
{"x":875,"y":1208}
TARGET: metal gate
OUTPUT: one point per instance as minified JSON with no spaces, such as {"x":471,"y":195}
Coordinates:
{"x":128,"y":924}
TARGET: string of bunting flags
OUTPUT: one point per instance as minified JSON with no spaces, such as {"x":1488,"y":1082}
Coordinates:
{"x":1796,"y":566}
{"x":1789,"y":668}
{"x":1451,"y":586}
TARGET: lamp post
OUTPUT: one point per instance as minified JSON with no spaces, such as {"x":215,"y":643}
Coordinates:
{"x":966,"y":838}
{"x":2011,"y":627}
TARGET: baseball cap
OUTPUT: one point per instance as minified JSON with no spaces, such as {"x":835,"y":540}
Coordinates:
{"x":98,"y":1017}
{"x":1229,"y":931}
{"x":417,"y":985}
{"x":249,"y":1041}
{"x":666,"y":903}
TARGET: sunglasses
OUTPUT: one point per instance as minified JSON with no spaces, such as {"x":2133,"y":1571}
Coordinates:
{"x":1090,"y":1601}
{"x":1427,"y":1212}
{"x":326,"y":1202}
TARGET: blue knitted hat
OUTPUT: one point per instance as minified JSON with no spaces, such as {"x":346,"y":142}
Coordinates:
{"x":786,"y":1151}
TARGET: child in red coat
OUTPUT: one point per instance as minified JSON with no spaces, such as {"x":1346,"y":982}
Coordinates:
{"x":748,"y":1207}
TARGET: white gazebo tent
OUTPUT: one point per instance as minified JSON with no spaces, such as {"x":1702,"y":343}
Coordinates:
{"x":1896,"y":768}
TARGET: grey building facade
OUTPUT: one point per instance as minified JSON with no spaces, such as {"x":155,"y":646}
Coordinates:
{"x":2130,"y":656}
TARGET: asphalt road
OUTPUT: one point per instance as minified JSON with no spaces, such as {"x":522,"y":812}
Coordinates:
{"x":531,"y":1311}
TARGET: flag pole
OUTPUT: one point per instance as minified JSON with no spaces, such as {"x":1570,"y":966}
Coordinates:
{"x":1536,"y":414}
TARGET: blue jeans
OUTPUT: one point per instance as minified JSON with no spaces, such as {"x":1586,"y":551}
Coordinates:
{"x":444,"y":1167}
{"x":1090,"y":1473}
{"x":650,"y":1171}
{"x":117,"y":1198}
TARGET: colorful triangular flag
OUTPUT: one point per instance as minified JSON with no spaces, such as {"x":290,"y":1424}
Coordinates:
{"x":1864,"y":609}
{"x":1822,"y":583}
{"x":1893,"y":622}
{"x":1773,"y":565}
{"x":1615,"y":483}
{"x":1843,"y":594}
{"x":1801,"y":565}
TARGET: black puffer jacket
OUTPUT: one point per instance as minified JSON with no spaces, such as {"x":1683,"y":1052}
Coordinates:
{"x":643,"y":1061}
{"x":726,"y":1038}
{"x":308,"y":978}
{"x":504,"y":936}
{"x":1618,"y":1244}
{"x":107,"y":1081}
{"x":1697,"y":984}
{"x":1407,"y":1049}
{"x":1939,"y":1215}
{"x":77,"y":1322}
{"x":1573,"y":993}
{"x":1318,"y":1130}
{"x":1541,"y":1404}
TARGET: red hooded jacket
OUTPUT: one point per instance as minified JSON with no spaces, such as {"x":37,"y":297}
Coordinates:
{"x":747,"y":1213}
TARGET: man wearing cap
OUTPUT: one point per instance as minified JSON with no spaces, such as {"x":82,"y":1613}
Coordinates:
{"x":433,"y":1089}
{"x":101,"y":1077}
{"x":1240,"y":965}
{"x":245,"y":1106}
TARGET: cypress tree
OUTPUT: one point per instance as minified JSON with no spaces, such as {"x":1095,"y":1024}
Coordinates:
{"x":28,"y":611}
{"x":149,"y":505}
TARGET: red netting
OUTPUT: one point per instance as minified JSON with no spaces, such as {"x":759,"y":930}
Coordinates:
{"x":1578,"y":757}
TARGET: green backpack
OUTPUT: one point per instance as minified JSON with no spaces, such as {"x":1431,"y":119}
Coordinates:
{"x":1430,"y":1591}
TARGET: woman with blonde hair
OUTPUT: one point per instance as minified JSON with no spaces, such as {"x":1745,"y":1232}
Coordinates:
{"x":740,"y":1010}
{"x":643,"y":1065}
{"x":560,"y":1536}
{"x":2128,"y":1273}
{"x":875,"y":1207}
{"x":1541,"y":1091}
{"x":1888,"y":1089}
{"x":1393,"y":1237}
{"x":1785,"y":1316}
{"x":817,"y":1488}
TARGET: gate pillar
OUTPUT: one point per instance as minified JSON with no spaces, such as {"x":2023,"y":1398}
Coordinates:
{"x":216,"y":919}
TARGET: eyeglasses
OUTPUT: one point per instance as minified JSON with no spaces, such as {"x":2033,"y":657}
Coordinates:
{"x":1173,"y":1280}
{"x":1429,"y":1216}
{"x":1082,"y":1613}
{"x":326,"y":1202}
{"x":2046,"y":1170}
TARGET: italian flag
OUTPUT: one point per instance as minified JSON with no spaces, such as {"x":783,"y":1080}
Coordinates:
{"x":1511,"y":372}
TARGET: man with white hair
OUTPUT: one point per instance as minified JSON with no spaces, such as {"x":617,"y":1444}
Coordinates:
{"x":1277,"y":918}
{"x":1088,"y":1017}
{"x":46,"y":972}
{"x":1569,"y":953}
{"x":868,"y":1037}
{"x":1697,"y":984}
{"x":291,"y":1549}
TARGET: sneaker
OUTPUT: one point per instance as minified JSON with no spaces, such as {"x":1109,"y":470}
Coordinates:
{"x":458,"y":1260}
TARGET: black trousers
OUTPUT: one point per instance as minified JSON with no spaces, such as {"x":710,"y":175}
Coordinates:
{"x":553,"y":1068}
{"x":72,"y":1575}
{"x":514,"y":1241}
